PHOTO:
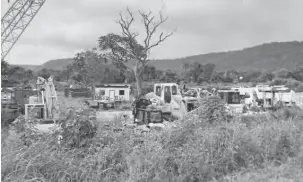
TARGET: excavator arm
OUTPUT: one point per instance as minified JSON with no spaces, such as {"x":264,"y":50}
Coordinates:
{"x":48,"y":96}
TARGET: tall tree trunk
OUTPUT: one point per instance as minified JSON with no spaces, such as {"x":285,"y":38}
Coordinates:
{"x":138,"y":77}
{"x":138,"y":83}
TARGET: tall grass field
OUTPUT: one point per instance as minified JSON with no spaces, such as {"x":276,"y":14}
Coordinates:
{"x":202,"y":147}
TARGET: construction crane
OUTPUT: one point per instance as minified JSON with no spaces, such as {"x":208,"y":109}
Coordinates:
{"x":15,"y":21}
{"x":13,"y":24}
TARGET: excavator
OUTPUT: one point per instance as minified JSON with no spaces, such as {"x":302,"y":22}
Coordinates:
{"x":44,"y":107}
{"x":45,"y":101}
{"x":13,"y":24}
{"x":167,"y":97}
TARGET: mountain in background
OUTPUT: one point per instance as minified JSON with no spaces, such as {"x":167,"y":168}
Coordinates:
{"x":266,"y":56}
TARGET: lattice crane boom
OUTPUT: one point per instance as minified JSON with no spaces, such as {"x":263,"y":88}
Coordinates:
{"x":15,"y":21}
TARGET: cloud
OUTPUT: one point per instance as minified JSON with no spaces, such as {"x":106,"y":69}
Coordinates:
{"x":62,"y":28}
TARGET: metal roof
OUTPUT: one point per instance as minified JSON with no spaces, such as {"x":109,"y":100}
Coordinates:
{"x":113,"y":86}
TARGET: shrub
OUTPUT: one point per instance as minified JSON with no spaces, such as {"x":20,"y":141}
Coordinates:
{"x":286,"y":113}
{"x":78,"y":128}
{"x":212,"y":110}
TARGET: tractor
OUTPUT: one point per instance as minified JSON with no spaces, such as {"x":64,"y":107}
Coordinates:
{"x":168,"y":98}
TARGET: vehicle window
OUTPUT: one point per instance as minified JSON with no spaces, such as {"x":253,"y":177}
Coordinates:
{"x":167,"y":89}
{"x":167,"y":94}
{"x":158,"y":91}
{"x":174,"y":90}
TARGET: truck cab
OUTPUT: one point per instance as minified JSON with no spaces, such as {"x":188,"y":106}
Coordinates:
{"x":174,"y":101}
{"x":232,"y":98}
{"x":166,"y":91}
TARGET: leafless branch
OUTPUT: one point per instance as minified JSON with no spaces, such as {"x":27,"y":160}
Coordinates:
{"x":161,"y":39}
{"x":125,"y":25}
{"x":151,"y":27}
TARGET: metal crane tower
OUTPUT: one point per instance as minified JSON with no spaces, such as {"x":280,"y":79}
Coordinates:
{"x":15,"y":21}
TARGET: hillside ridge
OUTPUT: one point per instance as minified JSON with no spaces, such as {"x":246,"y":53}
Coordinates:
{"x":265,"y":56}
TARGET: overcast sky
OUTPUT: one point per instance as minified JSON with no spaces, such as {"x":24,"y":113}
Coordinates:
{"x":63,"y":27}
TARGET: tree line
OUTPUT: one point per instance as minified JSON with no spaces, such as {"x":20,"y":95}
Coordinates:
{"x":109,"y":61}
{"x":80,"y":72}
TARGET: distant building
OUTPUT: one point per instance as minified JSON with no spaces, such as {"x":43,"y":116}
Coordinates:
{"x":116,"y":92}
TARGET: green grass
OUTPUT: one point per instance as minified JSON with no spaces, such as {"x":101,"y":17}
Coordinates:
{"x":255,"y":148}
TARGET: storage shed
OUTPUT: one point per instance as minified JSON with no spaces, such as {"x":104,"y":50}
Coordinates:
{"x":116,"y":92}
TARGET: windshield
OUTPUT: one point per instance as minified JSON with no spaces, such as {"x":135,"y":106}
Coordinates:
{"x":174,"y":90}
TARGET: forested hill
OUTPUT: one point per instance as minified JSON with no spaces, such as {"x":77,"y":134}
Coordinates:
{"x":266,"y":56}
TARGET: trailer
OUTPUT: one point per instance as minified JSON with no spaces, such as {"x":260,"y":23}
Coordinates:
{"x":110,"y":95}
{"x":116,"y":92}
{"x":272,"y":95}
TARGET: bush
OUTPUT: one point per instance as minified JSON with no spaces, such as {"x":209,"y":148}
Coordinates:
{"x":212,"y":110}
{"x":79,"y":127}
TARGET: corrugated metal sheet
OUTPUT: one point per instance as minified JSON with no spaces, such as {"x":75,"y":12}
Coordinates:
{"x":113,"y":86}
{"x":4,"y":77}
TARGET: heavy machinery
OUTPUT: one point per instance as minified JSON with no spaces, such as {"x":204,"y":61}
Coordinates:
{"x":167,"y":97}
{"x":233,"y":100}
{"x":45,"y":103}
{"x":13,"y":24}
{"x":192,"y":96}
{"x":13,"y":101}
{"x":269,"y":97}
{"x":145,"y":113}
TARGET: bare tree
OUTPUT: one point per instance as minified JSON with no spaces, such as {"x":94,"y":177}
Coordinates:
{"x":121,"y":49}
